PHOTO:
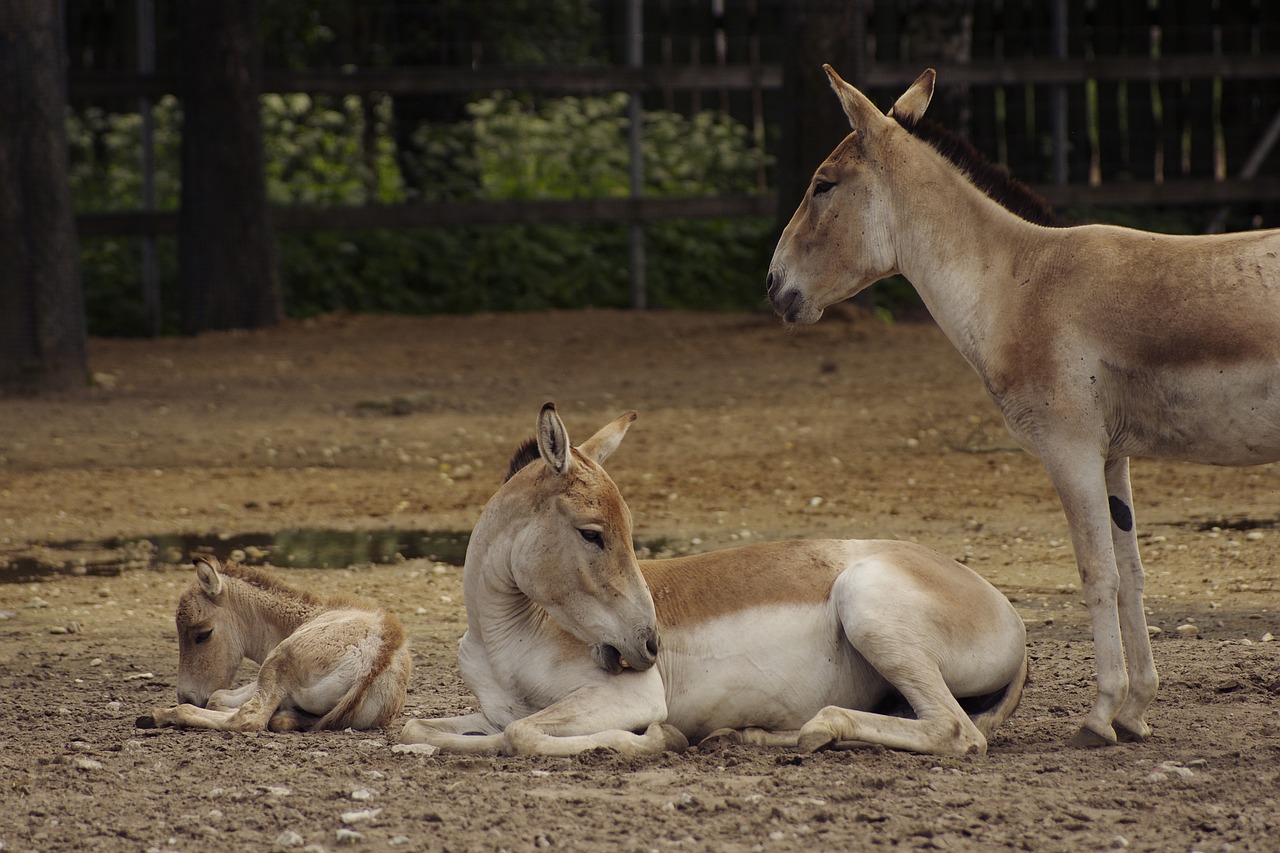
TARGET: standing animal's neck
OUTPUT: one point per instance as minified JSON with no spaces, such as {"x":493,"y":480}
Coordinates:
{"x":267,"y":613}
{"x":959,"y":248}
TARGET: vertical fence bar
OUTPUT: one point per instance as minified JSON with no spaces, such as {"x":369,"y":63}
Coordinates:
{"x":1059,"y":36}
{"x":146,"y":33}
{"x":635,"y":59}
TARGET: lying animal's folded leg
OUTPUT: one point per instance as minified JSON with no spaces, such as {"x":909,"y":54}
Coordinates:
{"x":752,"y":737}
{"x":470,"y":733}
{"x":230,"y":699}
{"x":605,"y":715}
{"x":934,"y":733}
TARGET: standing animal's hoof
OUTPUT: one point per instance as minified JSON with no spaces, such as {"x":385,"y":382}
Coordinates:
{"x":1132,"y":734}
{"x":146,"y":721}
{"x":1087,"y":738}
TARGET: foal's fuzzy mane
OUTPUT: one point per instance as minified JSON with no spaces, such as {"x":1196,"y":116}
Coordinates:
{"x":267,"y":582}
{"x":525,"y":453}
{"x":995,"y":182}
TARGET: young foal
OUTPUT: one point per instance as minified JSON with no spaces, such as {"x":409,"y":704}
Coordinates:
{"x":326,"y":664}
{"x":1097,"y":343}
{"x":786,"y":643}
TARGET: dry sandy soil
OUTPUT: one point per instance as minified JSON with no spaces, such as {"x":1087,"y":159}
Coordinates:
{"x":747,"y":431}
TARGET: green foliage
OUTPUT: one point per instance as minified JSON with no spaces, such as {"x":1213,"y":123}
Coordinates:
{"x":318,"y":152}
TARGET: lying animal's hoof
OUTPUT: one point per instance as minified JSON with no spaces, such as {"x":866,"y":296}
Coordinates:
{"x":1087,"y":738}
{"x":721,"y":737}
{"x":673,"y":740}
{"x":812,"y":741}
{"x":146,"y":721}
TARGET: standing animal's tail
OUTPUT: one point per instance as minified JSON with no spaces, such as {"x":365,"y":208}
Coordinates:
{"x":389,"y":698}
{"x":1002,"y":709}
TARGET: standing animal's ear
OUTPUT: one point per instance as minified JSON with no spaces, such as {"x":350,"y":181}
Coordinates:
{"x":553,"y":439}
{"x":857,"y":106}
{"x":911,"y":106}
{"x":601,"y":445}
{"x":207,"y":574}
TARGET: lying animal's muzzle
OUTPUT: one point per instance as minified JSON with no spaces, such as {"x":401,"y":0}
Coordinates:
{"x":640,"y":655}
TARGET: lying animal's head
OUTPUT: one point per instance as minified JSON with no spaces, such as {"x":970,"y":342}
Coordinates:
{"x":570,"y":541}
{"x":211,"y":644}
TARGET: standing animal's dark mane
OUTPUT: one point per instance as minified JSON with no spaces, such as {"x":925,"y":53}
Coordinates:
{"x":525,"y":453}
{"x":995,"y":182}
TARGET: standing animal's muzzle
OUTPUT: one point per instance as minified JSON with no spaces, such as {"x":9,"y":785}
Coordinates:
{"x":785,"y":302}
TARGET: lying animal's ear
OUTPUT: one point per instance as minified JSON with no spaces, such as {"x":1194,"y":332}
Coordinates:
{"x":601,"y":445}
{"x":862,"y":114}
{"x":207,"y":574}
{"x":911,"y":106}
{"x":553,"y":439}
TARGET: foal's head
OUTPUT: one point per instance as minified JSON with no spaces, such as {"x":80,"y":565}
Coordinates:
{"x":570,"y":536}
{"x":211,"y":643}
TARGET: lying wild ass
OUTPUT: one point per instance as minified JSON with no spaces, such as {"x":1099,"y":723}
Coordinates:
{"x":786,"y":643}
{"x":1097,"y":343}
{"x":326,"y":663}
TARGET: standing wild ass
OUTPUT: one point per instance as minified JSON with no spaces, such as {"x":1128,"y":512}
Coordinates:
{"x":1097,"y":343}
{"x":785,"y":644}
{"x":326,"y":663}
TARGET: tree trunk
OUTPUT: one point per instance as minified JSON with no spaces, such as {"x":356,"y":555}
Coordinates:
{"x":226,"y":253}
{"x":42,"y":327}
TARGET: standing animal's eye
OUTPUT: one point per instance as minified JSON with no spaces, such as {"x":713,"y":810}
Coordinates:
{"x":592,"y":537}
{"x":203,"y":636}
{"x":820,"y":186}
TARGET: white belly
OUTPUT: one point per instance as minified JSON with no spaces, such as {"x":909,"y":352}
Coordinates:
{"x":771,"y":668}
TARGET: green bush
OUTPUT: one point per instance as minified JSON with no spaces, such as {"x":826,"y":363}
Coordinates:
{"x":508,"y":148}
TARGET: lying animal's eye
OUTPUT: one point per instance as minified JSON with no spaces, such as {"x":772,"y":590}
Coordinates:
{"x":820,"y":186}
{"x":203,"y":636}
{"x":592,"y":536}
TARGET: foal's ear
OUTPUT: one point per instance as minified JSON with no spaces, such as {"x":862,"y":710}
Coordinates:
{"x":601,"y":445}
{"x":207,"y":574}
{"x":911,"y":106}
{"x":857,"y":106}
{"x":553,"y":439}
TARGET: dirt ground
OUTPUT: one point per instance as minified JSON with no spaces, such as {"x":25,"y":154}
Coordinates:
{"x":747,"y":431}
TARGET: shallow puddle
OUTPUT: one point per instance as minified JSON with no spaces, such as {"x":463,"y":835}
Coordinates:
{"x":303,"y":548}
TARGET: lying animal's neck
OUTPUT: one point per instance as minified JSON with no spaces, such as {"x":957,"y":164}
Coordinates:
{"x":268,"y":612}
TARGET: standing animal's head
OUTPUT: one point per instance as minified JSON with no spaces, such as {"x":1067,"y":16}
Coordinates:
{"x":571,"y":547}
{"x":210,"y":643}
{"x":840,"y":239}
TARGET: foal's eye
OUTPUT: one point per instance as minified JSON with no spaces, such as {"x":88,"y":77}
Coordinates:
{"x":203,"y":636}
{"x":821,"y":187}
{"x":593,"y":537}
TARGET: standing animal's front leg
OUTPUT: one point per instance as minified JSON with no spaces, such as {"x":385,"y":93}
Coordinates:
{"x":1077,"y":474}
{"x":1129,"y":721}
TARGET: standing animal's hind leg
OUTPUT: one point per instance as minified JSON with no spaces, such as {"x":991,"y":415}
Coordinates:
{"x":1143,"y":680}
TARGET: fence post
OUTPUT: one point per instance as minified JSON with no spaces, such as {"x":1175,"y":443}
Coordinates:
{"x":635,"y":59}
{"x":146,"y":32}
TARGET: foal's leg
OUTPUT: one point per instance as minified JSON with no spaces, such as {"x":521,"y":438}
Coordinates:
{"x":231,"y":698}
{"x":1081,"y":485}
{"x":1143,"y":680}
